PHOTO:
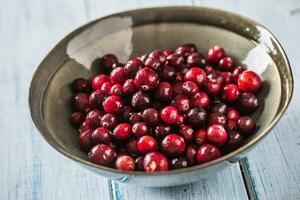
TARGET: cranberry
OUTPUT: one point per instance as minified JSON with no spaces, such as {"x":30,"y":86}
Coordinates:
{"x":247,"y":102}
{"x":195,"y":59}
{"x":233,"y":114}
{"x":227,"y":76}
{"x":135,"y":117}
{"x":226,"y":64}
{"x":177,"y":88}
{"x":213,"y":88}
{"x":85,"y":141}
{"x":116,"y":90}
{"x":249,"y":81}
{"x":105,"y":88}
{"x":173,"y":145}
{"x":139,"y":166}
{"x":168,"y":74}
{"x":200,"y":99}
{"x":96,"y":98}
{"x":189,"y":88}
{"x":196,"y":116}
{"x":80,"y":102}
{"x":206,"y":153}
{"x":101,"y":135}
{"x":230,"y":92}
{"x":215,"y":54}
{"x":161,"y":131}
{"x":219,"y":107}
{"x":143,"y":57}
{"x":235,"y":140}
{"x":80,"y":85}
{"x":216,"y":134}
{"x":178,"y":163}
{"x":186,"y":133}
{"x":236,"y":73}
{"x":125,"y":163}
{"x":83,"y":127}
{"x":153,"y":63}
{"x":169,"y":114}
{"x":209,"y":69}
{"x":108,"y":121}
{"x":164,"y":91}
{"x":107,"y":61}
{"x":200,"y":137}
{"x":196,"y":75}
{"x":122,"y":131}
{"x":151,"y":116}
{"x":133,"y":66}
{"x":216,"y":77}
{"x":176,"y":61}
{"x":190,"y":154}
{"x":129,"y":87}
{"x":102,"y":154}
{"x":146,"y":144}
{"x":167,"y":52}
{"x":231,"y":124}
{"x":159,"y":55}
{"x":98,"y":81}
{"x":92,"y":119}
{"x":181,"y":102}
{"x":141,"y":100}
{"x":180,"y":120}
{"x":186,"y":49}
{"x":127,"y":111}
{"x":217,"y":118}
{"x":146,"y":79}
{"x":140,"y":129}
{"x":118,"y":76}
{"x":113,"y":104}
{"x":131,"y":147}
{"x":246,"y":125}
{"x":76,"y":119}
{"x":155,"y":162}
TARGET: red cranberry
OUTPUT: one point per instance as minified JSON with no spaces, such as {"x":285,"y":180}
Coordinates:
{"x":143,"y":58}
{"x":167,"y":52}
{"x":125,"y":163}
{"x":190,"y":154}
{"x":230,"y":92}
{"x":108,"y":121}
{"x":233,"y":114}
{"x":206,"y":153}
{"x":76,"y":119}
{"x":153,"y":63}
{"x":182,"y":103}
{"x":80,"y":85}
{"x":155,"y":162}
{"x":169,"y":114}
{"x":101,"y":135}
{"x":139,"y":166}
{"x":80,"y":102}
{"x":196,"y":75}
{"x":131,"y":147}
{"x":140,"y":129}
{"x":83,"y":127}
{"x":173,"y":145}
{"x":215,"y":54}
{"x":236,"y":73}
{"x":129,"y":87}
{"x":247,"y":102}
{"x":122,"y":131}
{"x":178,"y":163}
{"x":102,"y":154}
{"x":219,"y":107}
{"x":213,"y":88}
{"x":226,"y":64}
{"x":189,"y":88}
{"x":179,"y":77}
{"x":146,"y":79}
{"x":151,"y":116}
{"x":217,"y":118}
{"x":235,"y":140}
{"x":249,"y":81}
{"x":216,"y":134}
{"x":116,"y":90}
{"x":200,"y":137}
{"x":209,"y":69}
{"x":164,"y":91}
{"x":246,"y":125}
{"x":180,"y":120}
{"x":195,"y":59}
{"x":177,"y":88}
{"x":98,"y":81}
{"x":96,"y":98}
{"x":168,"y":74}
{"x":92,"y":119}
{"x":134,"y":118}
{"x":108,"y":61}
{"x":196,"y":116}
{"x":200,"y":99}
{"x":186,"y":49}
{"x":118,"y":76}
{"x":113,"y":104}
{"x":159,"y":55}
{"x":186,"y":133}
{"x":231,"y":124}
{"x":216,"y":77}
{"x":176,"y":61}
{"x":162,"y":130}
{"x":141,"y":100}
{"x":105,"y":88}
{"x":85,"y":141}
{"x":133,"y":66}
{"x":146,"y":144}
{"x":227,"y":76}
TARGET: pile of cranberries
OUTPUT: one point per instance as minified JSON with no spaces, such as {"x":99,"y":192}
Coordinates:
{"x":164,"y":110}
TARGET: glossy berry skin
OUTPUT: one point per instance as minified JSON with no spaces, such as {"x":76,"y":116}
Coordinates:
{"x":151,"y":116}
{"x":227,"y":76}
{"x":143,"y":57}
{"x":209,"y":69}
{"x":139,"y":129}
{"x":146,"y":144}
{"x":173,"y":145}
{"x":168,"y":74}
{"x":213,"y":88}
{"x":139,"y":165}
{"x":182,"y":103}
{"x":81,"y":85}
{"x":235,"y":140}
{"x":186,"y":132}
{"x":92,"y":119}
{"x":190,"y":154}
{"x":217,"y":118}
{"x":98,"y":81}
{"x":178,"y":163}
{"x":118,"y":76}
{"x":125,"y":163}
{"x":219,"y":107}
{"x":83,"y":127}
{"x":200,"y":99}
{"x":216,"y":134}
{"x":153,"y":63}
{"x":134,"y":117}
{"x":163,"y":92}
{"x":105,"y":88}
{"x":113,"y":104}
{"x":80,"y":102}
{"x":215,"y":54}
{"x":247,"y":102}
{"x":108,"y":121}
{"x":159,"y":55}
{"x":122,"y":131}
{"x":101,"y":135}
{"x":230,"y":92}
{"x":249,"y":81}
{"x":176,"y":61}
{"x":200,"y":137}
{"x":96,"y":98}
{"x":76,"y":119}
{"x":146,"y":79}
{"x":85,"y":141}
{"x":169,"y":114}
{"x":236,"y":73}
{"x":246,"y":125}
{"x":195,"y":59}
{"x":140,"y":100}
{"x":129,"y":87}
{"x":162,"y":130}
{"x":186,"y":49}
{"x":206,"y":153}
{"x":196,"y":75}
{"x":226,"y":64}
{"x":167,"y":52}
{"x":155,"y":162}
{"x":116,"y":90}
{"x":132,"y":67}
{"x":180,"y":120}
{"x":102,"y":154}
{"x":233,"y":114}
{"x":107,"y":61}
{"x":189,"y":88}
{"x":196,"y":117}
{"x":131,"y":147}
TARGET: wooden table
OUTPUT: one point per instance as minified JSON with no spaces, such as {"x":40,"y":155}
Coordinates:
{"x":31,"y":169}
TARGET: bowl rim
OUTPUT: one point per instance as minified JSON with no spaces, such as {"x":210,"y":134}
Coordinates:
{"x":226,"y":157}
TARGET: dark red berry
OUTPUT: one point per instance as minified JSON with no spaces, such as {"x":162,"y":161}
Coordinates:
{"x":215,"y":54}
{"x":118,"y":76}
{"x":163,"y":92}
{"x":209,"y":69}
{"x":116,"y":90}
{"x":186,"y":49}
{"x":176,"y":61}
{"x":167,"y":52}
{"x":153,"y":63}
{"x":219,"y":107}
{"x":143,"y":57}
{"x":146,"y":144}
{"x":141,"y":100}
{"x":125,"y":163}
{"x":226,"y":64}
{"x":186,"y":133}
{"x":213,"y":88}
{"x":135,"y":117}
{"x":139,"y":165}
{"x":101,"y":135}
{"x":131,"y":147}
{"x":173,"y":145}
{"x":129,"y":87}
{"x":98,"y":81}
{"x":235,"y":140}
{"x":108,"y":121}
{"x":159,"y":55}
{"x":233,"y":114}
{"x":80,"y":102}
{"x":76,"y":119}
{"x":196,"y":117}
{"x":132,"y":67}
{"x":196,"y":75}
{"x":206,"y":153}
{"x":92,"y":119}
{"x":140,"y":129}
{"x":162,"y":130}
{"x":151,"y":116}
{"x":249,"y":81}
{"x":236,"y":73}
{"x":247,"y":102}
{"x":196,"y":60}
{"x":200,"y":137}
{"x":200,"y":99}
{"x":146,"y":79}
{"x":189,"y":88}
{"x":179,"y":77}
{"x":81,"y":85}
{"x":177,"y":88}
{"x":227,"y":76}
{"x":102,"y":154}
{"x":168,"y":74}
{"x":96,"y":98}
{"x":230,"y":92}
{"x":217,"y":118}
{"x":169,"y":114}
{"x":122,"y":131}
{"x":190,"y":154}
{"x":105,"y":88}
{"x":216,"y":134}
{"x":85,"y":141}
{"x":246,"y":125}
{"x":182,"y":103}
{"x":113,"y":104}
{"x":178,"y":163}
{"x":107,"y":61}
{"x":155,"y":162}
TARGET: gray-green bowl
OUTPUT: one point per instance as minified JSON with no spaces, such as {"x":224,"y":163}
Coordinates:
{"x":139,"y":31}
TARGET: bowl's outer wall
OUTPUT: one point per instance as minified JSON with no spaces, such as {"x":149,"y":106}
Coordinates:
{"x":135,"y":32}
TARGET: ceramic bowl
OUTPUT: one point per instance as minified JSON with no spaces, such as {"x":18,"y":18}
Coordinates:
{"x":139,"y":31}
